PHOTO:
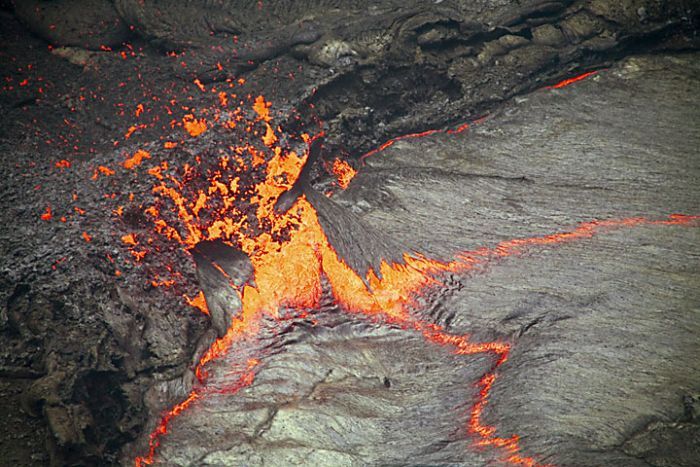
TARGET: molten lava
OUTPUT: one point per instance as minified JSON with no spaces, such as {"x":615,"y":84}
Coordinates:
{"x":222,"y":199}
{"x":569,"y":81}
{"x":136,"y":159}
{"x":344,"y":173}
{"x":198,"y":302}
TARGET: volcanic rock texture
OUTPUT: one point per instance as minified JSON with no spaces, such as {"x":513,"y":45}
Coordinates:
{"x":601,"y":325}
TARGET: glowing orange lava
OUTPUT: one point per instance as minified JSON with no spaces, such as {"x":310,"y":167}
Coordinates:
{"x":194,"y":126}
{"x":63,"y":164}
{"x":47,"y":215}
{"x":344,"y":173}
{"x":198,"y":302}
{"x":567,"y":82}
{"x":136,"y":159}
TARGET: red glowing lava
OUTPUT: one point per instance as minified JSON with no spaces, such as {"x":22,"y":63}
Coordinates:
{"x":136,"y":160}
{"x":569,"y":81}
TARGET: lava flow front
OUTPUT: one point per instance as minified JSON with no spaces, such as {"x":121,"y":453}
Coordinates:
{"x":293,"y":258}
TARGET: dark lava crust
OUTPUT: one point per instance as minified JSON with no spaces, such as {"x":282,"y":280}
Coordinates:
{"x":88,"y":362}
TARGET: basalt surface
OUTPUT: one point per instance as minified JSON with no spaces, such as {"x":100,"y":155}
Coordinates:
{"x":603,"y":367}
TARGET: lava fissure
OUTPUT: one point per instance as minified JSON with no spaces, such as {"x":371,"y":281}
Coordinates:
{"x":345,"y":173}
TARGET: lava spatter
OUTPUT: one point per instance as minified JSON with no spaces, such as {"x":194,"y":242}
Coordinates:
{"x":344,"y":172}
